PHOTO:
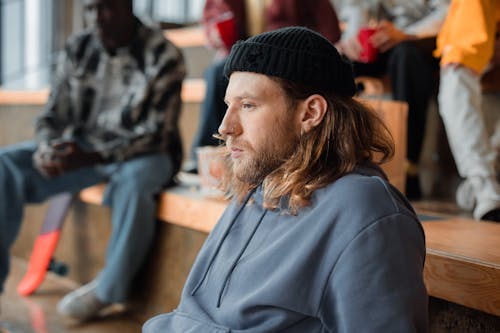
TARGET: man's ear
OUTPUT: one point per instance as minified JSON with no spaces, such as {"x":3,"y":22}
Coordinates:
{"x":313,"y":110}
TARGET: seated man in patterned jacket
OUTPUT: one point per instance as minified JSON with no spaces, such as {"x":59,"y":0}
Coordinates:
{"x":112,"y":116}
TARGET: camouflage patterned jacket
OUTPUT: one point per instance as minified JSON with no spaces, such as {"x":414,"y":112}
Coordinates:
{"x":119,"y":105}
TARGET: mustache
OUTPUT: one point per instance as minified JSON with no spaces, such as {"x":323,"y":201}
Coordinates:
{"x":219,"y":136}
{"x":229,"y":141}
{"x":226,"y":139}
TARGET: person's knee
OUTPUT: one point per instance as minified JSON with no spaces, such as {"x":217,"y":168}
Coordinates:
{"x":18,"y":154}
{"x":141,"y":183}
{"x":404,"y":55}
{"x":405,"y":49}
{"x":131,"y":191}
{"x":146,"y":175}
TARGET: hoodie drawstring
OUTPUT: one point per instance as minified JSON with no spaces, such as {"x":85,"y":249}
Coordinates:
{"x":235,"y":262}
{"x":219,"y":245}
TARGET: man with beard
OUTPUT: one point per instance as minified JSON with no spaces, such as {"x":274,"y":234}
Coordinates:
{"x":111,"y":117}
{"x":317,"y":15}
{"x":315,"y":238}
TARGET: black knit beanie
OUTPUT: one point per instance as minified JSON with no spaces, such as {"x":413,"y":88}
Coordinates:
{"x":296,"y":54}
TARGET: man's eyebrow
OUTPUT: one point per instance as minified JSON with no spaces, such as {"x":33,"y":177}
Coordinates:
{"x":243,"y":95}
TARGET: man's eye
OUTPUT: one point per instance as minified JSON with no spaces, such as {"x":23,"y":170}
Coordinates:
{"x":247,"y":106}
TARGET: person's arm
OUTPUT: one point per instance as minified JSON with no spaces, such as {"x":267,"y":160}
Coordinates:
{"x":430,"y":24}
{"x":316,"y":15}
{"x":50,"y":126}
{"x":377,"y":283}
{"x":54,"y":158}
{"x":56,"y":115}
{"x":389,"y":34}
{"x":325,"y":20}
{"x":355,"y":14}
{"x":467,"y":35}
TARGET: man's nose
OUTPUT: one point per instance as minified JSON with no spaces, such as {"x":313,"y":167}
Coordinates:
{"x":229,"y":124}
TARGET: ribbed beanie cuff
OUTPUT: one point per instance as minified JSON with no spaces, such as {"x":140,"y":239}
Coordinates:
{"x":296,"y":54}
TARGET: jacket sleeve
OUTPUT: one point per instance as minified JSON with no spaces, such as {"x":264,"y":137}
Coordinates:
{"x":468,"y":34}
{"x":57,"y":113}
{"x":377,"y":283}
{"x":430,"y":24}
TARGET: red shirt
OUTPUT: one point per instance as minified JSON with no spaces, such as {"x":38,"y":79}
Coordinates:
{"x":317,"y":15}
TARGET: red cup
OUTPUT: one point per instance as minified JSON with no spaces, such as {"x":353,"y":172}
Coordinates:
{"x":368,"y":51}
{"x":226,"y":27}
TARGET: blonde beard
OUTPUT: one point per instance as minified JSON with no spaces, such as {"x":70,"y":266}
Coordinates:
{"x":256,"y":167}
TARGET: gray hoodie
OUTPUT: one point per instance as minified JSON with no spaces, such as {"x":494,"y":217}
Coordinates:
{"x":351,"y":261}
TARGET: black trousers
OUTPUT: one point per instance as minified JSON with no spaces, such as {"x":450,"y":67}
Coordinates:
{"x":414,"y":76}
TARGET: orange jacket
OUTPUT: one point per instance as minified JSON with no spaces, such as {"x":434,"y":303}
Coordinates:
{"x":467,"y":36}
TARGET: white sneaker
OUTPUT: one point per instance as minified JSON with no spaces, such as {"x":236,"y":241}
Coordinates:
{"x":481,"y":196}
{"x":82,"y":304}
{"x":465,"y":196}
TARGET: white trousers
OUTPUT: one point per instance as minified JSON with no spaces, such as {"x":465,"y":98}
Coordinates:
{"x":460,"y":108}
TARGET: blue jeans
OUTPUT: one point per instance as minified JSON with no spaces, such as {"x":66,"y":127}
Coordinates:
{"x":131,"y":190}
{"x":212,"y":109}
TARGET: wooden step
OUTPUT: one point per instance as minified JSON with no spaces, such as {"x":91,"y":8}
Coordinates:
{"x":463,"y":255}
{"x":187,"y":37}
{"x":193,"y":91}
{"x":183,"y":205}
{"x":463,"y":262}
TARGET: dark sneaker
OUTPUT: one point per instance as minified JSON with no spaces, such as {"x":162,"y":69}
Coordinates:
{"x":492,"y":215}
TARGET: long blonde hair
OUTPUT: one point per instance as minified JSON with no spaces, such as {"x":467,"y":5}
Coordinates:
{"x":351,"y":134}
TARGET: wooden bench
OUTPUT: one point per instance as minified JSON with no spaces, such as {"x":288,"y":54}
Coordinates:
{"x":462,"y":264}
{"x":182,"y":205}
{"x":187,"y":37}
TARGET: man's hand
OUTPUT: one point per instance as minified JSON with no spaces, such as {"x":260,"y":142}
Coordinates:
{"x":58,"y":157}
{"x":350,"y":47}
{"x":46,"y":161}
{"x":387,"y":36}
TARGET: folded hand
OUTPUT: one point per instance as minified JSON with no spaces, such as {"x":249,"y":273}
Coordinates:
{"x":55,"y":158}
